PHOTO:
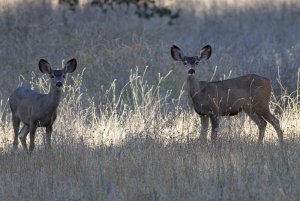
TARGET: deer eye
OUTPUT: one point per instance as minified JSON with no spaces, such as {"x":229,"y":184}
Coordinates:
{"x":196,"y":62}
{"x":52,"y":76}
{"x":185,"y":63}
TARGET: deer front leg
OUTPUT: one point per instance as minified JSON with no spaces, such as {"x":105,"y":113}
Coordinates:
{"x":48,"y":136}
{"x":32,"y":129}
{"x":16,"y":125}
{"x":204,"y":128}
{"x":215,"y":126}
{"x":22,"y":136}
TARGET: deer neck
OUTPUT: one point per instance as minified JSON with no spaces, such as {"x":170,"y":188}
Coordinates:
{"x":196,"y":91}
{"x":53,"y":98}
{"x":194,"y":86}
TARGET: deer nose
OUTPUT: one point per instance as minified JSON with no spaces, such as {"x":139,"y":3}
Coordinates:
{"x":191,"y":71}
{"x":59,"y":84}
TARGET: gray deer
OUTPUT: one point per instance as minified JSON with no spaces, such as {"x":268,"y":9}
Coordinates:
{"x":35,"y":109}
{"x":249,"y":93}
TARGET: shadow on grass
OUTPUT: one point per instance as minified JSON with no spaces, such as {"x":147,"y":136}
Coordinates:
{"x":146,"y":168}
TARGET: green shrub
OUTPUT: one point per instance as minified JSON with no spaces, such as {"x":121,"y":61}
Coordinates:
{"x":71,"y":3}
{"x":144,"y":8}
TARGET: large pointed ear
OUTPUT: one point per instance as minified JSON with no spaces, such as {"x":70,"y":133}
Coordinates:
{"x":176,"y":53}
{"x":205,"y":53}
{"x":44,"y":66}
{"x":70,"y":66}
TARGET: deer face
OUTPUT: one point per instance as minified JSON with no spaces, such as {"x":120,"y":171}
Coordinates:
{"x":57,"y":76}
{"x":191,"y":62}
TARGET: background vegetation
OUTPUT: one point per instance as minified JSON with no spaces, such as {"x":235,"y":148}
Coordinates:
{"x":125,"y":129}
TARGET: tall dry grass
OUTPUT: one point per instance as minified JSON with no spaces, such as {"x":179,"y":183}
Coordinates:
{"x":147,"y":150}
{"x":125,"y":130}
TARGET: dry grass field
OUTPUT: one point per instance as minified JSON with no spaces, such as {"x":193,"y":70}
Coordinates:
{"x":125,"y":128}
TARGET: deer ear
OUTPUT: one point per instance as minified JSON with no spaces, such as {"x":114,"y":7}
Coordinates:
{"x":205,"y":52}
{"x":176,"y":53}
{"x":70,"y":66}
{"x":44,"y":66}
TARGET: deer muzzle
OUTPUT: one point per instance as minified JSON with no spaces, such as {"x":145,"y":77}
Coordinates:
{"x":59,"y":84}
{"x":191,"y":71}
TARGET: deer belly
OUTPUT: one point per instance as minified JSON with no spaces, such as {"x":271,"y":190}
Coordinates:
{"x":230,"y":112}
{"x":201,"y":110}
{"x":42,"y":121}
{"x":220,"y":111}
{"x":46,"y":121}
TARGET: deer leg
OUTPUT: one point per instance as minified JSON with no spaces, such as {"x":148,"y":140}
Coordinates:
{"x":262,"y":125}
{"x":48,"y":136}
{"x":275,"y":123}
{"x":215,"y":125}
{"x":32,"y":129}
{"x":204,"y":128}
{"x":22,"y":136}
{"x":16,"y":125}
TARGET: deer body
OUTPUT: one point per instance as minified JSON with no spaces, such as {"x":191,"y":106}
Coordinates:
{"x":26,"y":105}
{"x":226,"y":97}
{"x":249,"y":93}
{"x":35,"y":109}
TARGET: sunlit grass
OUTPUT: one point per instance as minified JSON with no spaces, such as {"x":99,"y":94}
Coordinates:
{"x":139,"y":147}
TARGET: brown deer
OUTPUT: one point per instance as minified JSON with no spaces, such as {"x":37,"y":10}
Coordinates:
{"x":35,"y":109}
{"x":249,"y":93}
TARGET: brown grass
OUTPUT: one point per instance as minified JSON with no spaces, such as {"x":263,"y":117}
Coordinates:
{"x":148,"y":151}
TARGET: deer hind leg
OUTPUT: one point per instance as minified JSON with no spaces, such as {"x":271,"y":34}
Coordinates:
{"x":22,"y":136}
{"x":262,"y":125}
{"x":204,"y":128}
{"x":215,"y":126}
{"x":275,"y":123}
{"x":16,"y":125}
